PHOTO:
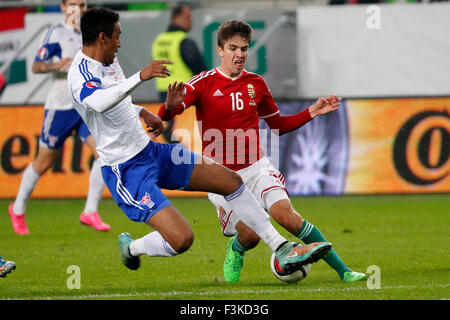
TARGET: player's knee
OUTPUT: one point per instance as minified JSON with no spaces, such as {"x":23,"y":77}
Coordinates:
{"x":236,"y":181}
{"x":42,"y":165}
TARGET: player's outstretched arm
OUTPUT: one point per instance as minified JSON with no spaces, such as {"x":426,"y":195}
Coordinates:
{"x":102,"y":100}
{"x":285,"y":124}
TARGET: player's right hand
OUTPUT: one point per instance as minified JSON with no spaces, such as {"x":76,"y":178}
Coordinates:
{"x":154,"y":69}
{"x":325,"y":105}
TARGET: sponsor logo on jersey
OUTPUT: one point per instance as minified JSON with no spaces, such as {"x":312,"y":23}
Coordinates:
{"x":43,"y":53}
{"x":92,"y":84}
{"x":146,"y":201}
{"x":218,"y":93}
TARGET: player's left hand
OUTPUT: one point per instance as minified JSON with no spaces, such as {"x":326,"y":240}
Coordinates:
{"x":325,"y":105}
{"x":175,"y":94}
{"x":153,"y":122}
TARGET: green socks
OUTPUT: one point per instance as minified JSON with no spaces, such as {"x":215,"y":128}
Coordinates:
{"x":308,"y":233}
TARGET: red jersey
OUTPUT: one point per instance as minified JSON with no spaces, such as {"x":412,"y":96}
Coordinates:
{"x":228,"y":112}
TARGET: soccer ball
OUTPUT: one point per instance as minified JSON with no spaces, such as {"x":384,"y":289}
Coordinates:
{"x":293,"y":277}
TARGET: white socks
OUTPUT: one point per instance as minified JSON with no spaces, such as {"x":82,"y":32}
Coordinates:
{"x":247,"y":208}
{"x":244,"y":205}
{"x":96,"y":186}
{"x":153,"y":245}
{"x":30,"y":178}
{"x":27,"y":185}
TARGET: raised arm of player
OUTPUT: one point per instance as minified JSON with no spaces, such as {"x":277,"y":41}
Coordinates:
{"x":101,"y":100}
{"x":179,"y":97}
{"x":285,"y":124}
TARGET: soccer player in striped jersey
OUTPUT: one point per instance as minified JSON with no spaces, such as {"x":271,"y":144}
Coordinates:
{"x":229,"y":103}
{"x":135,"y":168}
{"x":58,"y":47}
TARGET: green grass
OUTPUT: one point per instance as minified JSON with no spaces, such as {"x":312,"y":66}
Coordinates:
{"x":406,"y":236}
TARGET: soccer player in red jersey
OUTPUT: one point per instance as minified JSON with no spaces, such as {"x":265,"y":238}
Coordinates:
{"x":229,"y":103}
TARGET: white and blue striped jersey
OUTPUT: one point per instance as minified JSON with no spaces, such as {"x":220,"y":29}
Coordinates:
{"x":101,"y":95}
{"x":60,"y":41}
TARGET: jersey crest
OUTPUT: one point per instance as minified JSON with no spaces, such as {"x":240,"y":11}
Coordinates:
{"x":92,"y":84}
{"x":146,"y":201}
{"x":43,"y":53}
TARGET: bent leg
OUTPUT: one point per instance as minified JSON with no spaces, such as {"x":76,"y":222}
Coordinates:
{"x":212,"y":177}
{"x":173,"y":235}
{"x":283,"y":212}
{"x":246,"y":236}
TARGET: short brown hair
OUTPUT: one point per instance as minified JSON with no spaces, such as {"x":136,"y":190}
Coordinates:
{"x":233,"y":28}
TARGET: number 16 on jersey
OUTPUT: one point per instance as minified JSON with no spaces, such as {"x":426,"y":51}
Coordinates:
{"x":236,"y":101}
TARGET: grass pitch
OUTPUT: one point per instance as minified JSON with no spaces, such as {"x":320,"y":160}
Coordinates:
{"x":406,"y":236}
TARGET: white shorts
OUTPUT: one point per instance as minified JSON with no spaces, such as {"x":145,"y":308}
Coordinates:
{"x":264,"y":181}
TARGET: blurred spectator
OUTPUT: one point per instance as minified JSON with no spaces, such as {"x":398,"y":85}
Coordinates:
{"x":174,"y":45}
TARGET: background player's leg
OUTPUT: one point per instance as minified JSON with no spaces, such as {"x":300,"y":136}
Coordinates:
{"x":173,"y":235}
{"x":90,"y":215}
{"x":96,"y":186}
{"x":31,"y":175}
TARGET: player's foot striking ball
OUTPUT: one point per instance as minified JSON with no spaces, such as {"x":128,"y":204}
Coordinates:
{"x":292,"y":255}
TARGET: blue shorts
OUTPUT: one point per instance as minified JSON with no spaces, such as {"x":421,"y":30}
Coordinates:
{"x":136,"y":184}
{"x":58,"y":125}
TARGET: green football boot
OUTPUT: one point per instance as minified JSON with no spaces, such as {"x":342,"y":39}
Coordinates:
{"x":291,"y":255}
{"x":234,"y":261}
{"x":352,"y":276}
{"x":131,"y":262}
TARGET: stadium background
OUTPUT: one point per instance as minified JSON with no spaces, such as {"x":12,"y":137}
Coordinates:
{"x":389,"y":61}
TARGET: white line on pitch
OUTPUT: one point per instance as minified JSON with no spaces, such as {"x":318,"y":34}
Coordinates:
{"x":217,"y":292}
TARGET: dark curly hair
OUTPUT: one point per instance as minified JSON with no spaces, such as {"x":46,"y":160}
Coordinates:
{"x":95,"y":21}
